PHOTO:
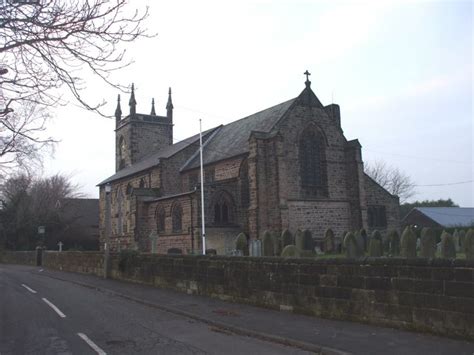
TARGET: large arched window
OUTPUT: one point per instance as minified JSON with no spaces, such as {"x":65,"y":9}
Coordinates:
{"x":310,"y":159}
{"x":160,"y":219}
{"x":177,"y":218}
{"x":223,"y":209}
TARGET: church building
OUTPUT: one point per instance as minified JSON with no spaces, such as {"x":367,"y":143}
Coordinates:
{"x":286,"y":167}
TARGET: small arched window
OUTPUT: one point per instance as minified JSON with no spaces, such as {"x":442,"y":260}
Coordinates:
{"x":310,"y":152}
{"x":160,"y":219}
{"x":177,"y":218}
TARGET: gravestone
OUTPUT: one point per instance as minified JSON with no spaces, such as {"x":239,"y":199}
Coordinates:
{"x":457,"y":245}
{"x":268,"y":248}
{"x":304,"y":240}
{"x":350,"y":246}
{"x":394,"y":240}
{"x":469,"y":244}
{"x":286,"y":238}
{"x":290,"y":251}
{"x":256,"y":247}
{"x":428,"y":243}
{"x":329,"y":246}
{"x":360,"y":242}
{"x":448,"y":250}
{"x":408,"y":243}
{"x":365,"y":239}
{"x":375,"y":244}
{"x":241,"y":244}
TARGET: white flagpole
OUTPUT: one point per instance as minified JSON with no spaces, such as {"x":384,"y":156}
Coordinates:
{"x":203,"y":226}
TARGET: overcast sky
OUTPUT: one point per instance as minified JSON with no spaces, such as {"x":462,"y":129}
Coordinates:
{"x":401,"y":73}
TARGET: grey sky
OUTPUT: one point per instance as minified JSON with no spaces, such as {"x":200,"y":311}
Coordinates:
{"x":401,"y":72}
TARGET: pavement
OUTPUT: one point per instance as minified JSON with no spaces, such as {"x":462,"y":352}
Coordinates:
{"x":298,"y":331}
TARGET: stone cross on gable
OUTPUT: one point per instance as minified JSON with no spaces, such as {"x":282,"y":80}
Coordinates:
{"x":307,"y":73}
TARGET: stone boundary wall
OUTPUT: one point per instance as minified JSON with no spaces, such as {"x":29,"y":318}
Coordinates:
{"x":429,"y":295}
{"x":84,"y":262}
{"x":18,"y":257}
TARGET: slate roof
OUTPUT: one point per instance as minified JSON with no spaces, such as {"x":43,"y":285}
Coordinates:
{"x":154,"y":158}
{"x":232,"y":139}
{"x":449,"y":216}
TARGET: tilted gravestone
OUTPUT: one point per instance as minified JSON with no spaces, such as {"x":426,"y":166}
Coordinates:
{"x":375,"y":244}
{"x":428,"y":243}
{"x":286,"y":238}
{"x":448,"y":250}
{"x":350,"y":246}
{"x":394,"y":242}
{"x":290,"y":251}
{"x":408,"y":243}
{"x":329,"y":246}
{"x":241,"y":244}
{"x":268,"y":248}
{"x":468,"y":245}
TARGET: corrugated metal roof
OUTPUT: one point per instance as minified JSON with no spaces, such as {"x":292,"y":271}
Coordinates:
{"x":450,"y":216}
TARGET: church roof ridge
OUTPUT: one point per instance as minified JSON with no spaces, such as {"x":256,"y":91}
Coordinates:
{"x":153,"y":159}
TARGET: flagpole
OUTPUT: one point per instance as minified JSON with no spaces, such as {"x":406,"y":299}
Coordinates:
{"x":203,"y":225}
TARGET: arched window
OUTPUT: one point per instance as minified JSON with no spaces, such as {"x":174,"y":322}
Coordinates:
{"x":244,"y":184}
{"x":177,"y":218}
{"x":310,"y":154}
{"x":223,"y":209}
{"x":121,"y":151}
{"x":160,"y":219}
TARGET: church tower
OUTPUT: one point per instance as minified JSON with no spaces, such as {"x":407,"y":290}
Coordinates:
{"x":138,"y":135}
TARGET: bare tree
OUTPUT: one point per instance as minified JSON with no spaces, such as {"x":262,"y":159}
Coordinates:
{"x":29,"y":202}
{"x":392,"y":179}
{"x":22,"y":139}
{"x":46,"y":45}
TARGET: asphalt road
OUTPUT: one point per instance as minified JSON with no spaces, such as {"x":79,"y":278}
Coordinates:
{"x":42,"y":315}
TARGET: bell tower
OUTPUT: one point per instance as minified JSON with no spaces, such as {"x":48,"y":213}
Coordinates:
{"x":138,"y":135}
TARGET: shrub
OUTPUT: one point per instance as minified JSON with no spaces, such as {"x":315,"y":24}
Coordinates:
{"x":128,"y":259}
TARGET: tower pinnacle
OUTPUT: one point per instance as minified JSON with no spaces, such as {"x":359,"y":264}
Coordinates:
{"x":132,"y":103}
{"x":169,"y":105}
{"x":118,"y":110}
{"x":153,"y":112}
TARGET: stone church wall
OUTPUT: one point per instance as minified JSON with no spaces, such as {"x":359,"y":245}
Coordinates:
{"x":317,"y":216}
{"x":377,"y":196}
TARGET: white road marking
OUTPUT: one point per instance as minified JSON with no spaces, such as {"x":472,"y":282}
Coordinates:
{"x":40,"y":270}
{"x":29,"y":289}
{"x":56,"y":309}
{"x":92,"y":344}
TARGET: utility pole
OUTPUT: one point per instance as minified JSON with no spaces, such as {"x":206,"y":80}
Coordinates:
{"x":203,"y":225}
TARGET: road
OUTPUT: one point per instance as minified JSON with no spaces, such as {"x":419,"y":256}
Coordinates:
{"x":42,"y":315}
